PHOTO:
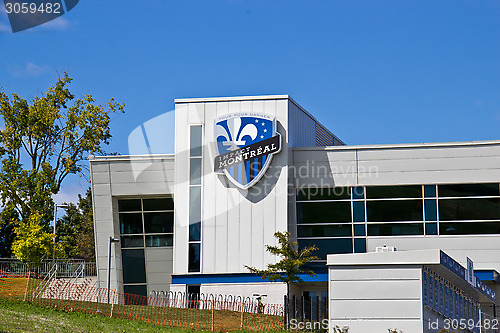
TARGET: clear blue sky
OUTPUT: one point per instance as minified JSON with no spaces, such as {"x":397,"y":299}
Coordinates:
{"x":371,"y":71}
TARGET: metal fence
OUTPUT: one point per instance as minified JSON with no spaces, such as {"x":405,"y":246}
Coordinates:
{"x":66,"y":268}
{"x":307,"y":308}
{"x":187,"y":311}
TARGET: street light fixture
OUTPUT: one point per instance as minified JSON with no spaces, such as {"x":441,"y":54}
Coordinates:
{"x":111,"y":240}
{"x":64,"y":206}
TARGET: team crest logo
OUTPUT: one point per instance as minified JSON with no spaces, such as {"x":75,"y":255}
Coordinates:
{"x":246,"y":143}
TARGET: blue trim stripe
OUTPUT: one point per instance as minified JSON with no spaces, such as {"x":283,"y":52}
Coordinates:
{"x":487,"y":275}
{"x":256,"y":167}
{"x":240,"y":174}
{"x":247,"y":169}
{"x":235,"y":278}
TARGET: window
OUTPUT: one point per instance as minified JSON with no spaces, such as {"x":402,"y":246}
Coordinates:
{"x":143,"y":223}
{"x":408,"y":191}
{"x":328,"y":246}
{"x":394,"y":210}
{"x":195,"y":186}
{"x":469,"y":228}
{"x":336,"y":230}
{"x":395,"y":229}
{"x":324,"y":212}
{"x":468,"y":190}
{"x":469,"y":209}
{"x":324,"y":193}
{"x":430,"y":210}
{"x":134,"y":268}
{"x":150,"y":225}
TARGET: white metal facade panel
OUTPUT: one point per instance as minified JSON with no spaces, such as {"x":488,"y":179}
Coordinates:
{"x":118,"y":177}
{"x":371,"y":299}
{"x":484,"y":250}
{"x":236,"y":224}
{"x":393,"y":165}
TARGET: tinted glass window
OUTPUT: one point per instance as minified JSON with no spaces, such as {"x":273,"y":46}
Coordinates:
{"x":359,"y":245}
{"x":129,"y":205}
{"x":141,"y":290}
{"x":132,"y":241}
{"x":195,"y":171}
{"x":324,"y":230}
{"x":468,"y":190}
{"x":358,"y":193}
{"x":328,"y":246}
{"x":395,"y":229}
{"x":469,"y":228}
{"x":134,"y":269}
{"x":430,"y":210}
{"x":430,"y":191}
{"x":406,"y":191}
{"x":324,"y":193}
{"x":194,"y":213}
{"x":158,"y":204}
{"x":431,"y":228}
{"x":326,"y":212}
{"x":159,"y":222}
{"x":194,"y":258}
{"x":358,"y":209}
{"x":394,"y":210}
{"x":469,"y":209}
{"x":131,"y":223}
{"x":159,"y":240}
{"x":359,"y":230}
{"x":135,"y":294}
{"x":195,"y":140}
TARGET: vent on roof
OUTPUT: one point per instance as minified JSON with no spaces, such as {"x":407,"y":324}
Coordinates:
{"x":323,"y":138}
{"x":385,"y":248}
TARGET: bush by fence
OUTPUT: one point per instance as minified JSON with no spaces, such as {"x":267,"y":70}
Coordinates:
{"x":208,"y":314}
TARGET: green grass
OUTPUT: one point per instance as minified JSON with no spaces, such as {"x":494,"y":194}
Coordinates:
{"x":18,"y":316}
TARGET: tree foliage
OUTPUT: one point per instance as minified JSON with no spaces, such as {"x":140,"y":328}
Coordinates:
{"x":9,"y":219}
{"x":32,"y":243}
{"x":43,"y":141}
{"x":292,"y":260}
{"x":75,"y":235}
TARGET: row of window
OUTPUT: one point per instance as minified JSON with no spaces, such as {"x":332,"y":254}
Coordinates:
{"x":445,"y":299}
{"x":400,"y":191}
{"x":399,"y":210}
{"x":394,"y":229}
{"x":143,"y":223}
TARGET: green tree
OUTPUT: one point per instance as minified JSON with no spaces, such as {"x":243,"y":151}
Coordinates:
{"x":43,"y":141}
{"x":291,"y":264}
{"x":32,"y":242}
{"x":75,"y":235}
{"x":9,"y":219}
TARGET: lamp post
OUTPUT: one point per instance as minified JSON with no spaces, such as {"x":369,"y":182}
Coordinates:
{"x":54,"y":237}
{"x":111,"y":240}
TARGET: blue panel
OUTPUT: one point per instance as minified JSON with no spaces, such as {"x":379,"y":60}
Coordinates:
{"x":235,"y":278}
{"x":231,"y":171}
{"x":487,"y":275}
{"x":247,"y":169}
{"x":256,"y":167}
{"x":240,"y":173}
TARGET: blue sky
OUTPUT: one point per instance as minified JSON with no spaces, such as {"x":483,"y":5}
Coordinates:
{"x":371,"y":71}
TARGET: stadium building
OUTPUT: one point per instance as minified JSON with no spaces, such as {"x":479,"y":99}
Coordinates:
{"x":389,"y":217}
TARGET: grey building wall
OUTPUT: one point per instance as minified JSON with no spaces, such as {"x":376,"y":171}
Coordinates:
{"x":435,"y":163}
{"x":115,"y":177}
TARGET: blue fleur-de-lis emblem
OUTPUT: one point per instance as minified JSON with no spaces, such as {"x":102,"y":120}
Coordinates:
{"x":245,"y":143}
